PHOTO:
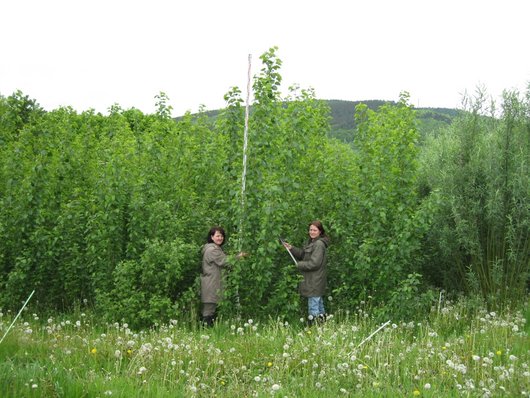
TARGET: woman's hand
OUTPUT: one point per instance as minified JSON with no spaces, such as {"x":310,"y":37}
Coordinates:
{"x":287,"y":245}
{"x":241,"y":255}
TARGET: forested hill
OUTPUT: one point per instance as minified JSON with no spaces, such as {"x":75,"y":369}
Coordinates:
{"x":343,"y":117}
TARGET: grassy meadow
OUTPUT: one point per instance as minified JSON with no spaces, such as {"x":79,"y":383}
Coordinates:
{"x":453,"y":352}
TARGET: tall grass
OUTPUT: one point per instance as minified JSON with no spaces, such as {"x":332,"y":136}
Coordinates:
{"x":453,"y":352}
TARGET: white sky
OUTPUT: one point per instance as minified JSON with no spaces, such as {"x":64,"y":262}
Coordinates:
{"x":96,"y":53}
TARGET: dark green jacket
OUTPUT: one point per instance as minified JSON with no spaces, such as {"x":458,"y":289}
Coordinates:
{"x":312,"y":265}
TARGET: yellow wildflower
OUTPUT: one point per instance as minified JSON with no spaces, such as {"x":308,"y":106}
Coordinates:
{"x":93,"y":350}
{"x":416,"y":393}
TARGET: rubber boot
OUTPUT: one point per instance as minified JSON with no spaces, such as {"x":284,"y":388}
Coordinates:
{"x":208,"y":321}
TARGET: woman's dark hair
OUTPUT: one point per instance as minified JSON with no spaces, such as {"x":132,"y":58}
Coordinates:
{"x":212,"y":232}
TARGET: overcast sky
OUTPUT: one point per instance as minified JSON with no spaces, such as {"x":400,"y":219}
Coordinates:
{"x":93,"y":54}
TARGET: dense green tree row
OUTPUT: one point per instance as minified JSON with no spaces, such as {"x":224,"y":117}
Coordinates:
{"x":112,"y":210}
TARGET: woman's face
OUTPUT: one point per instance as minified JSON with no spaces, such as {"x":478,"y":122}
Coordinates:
{"x":314,"y":232}
{"x":218,"y":238}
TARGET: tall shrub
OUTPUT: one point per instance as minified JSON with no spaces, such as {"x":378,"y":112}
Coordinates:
{"x":478,"y":175}
{"x":386,"y":232}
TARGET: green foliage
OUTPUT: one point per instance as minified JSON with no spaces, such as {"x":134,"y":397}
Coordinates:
{"x":111,"y":210}
{"x":477,"y":177}
{"x":385,"y":236}
{"x":143,"y":291}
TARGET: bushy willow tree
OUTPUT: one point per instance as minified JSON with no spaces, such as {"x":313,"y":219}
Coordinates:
{"x":479,"y":179}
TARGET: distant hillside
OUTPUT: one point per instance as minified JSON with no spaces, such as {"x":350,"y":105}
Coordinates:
{"x":343,"y":117}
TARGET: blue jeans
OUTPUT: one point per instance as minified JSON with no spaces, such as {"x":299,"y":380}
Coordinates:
{"x":316,"y":306}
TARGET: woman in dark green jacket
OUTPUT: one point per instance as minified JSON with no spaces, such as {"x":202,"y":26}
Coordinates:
{"x":312,"y":265}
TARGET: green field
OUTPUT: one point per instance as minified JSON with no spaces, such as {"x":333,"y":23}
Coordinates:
{"x":454,"y":352}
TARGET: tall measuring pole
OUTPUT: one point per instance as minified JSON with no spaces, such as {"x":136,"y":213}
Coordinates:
{"x":245,"y":145}
{"x":244,"y":175}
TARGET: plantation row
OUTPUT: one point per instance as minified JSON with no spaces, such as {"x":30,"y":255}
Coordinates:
{"x":112,"y":210}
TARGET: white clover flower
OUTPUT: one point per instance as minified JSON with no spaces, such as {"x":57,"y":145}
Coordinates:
{"x":512,"y":358}
{"x":475,"y":358}
{"x":108,"y":392}
{"x":221,"y":362}
{"x":257,"y":379}
{"x":117,"y":354}
{"x":250,"y":321}
{"x":142,"y":370}
{"x":427,"y":386}
{"x":275,"y":387}
{"x":286,"y":347}
{"x":34,"y":386}
{"x":77,"y":324}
